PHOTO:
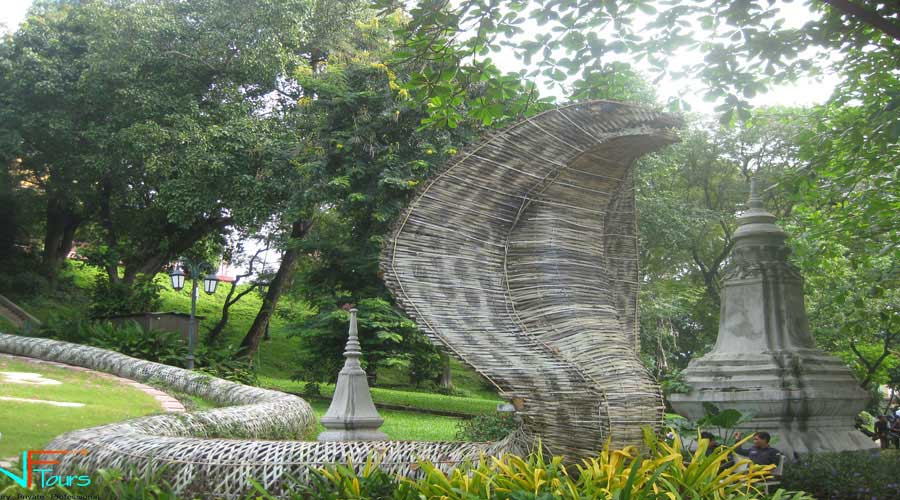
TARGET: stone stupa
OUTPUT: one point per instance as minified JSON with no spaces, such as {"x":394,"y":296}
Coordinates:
{"x":352,"y":415}
{"x":765,"y":361}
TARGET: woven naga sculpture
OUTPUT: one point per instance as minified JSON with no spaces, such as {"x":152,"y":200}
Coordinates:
{"x":521,"y":259}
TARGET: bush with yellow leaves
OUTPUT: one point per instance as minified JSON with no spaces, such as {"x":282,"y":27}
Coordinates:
{"x":664,"y":472}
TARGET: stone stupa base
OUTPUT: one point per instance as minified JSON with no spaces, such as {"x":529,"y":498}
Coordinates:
{"x":807,"y":399}
{"x":353,"y":435}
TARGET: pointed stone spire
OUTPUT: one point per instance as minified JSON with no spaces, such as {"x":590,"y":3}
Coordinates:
{"x":765,"y":361}
{"x":352,"y":415}
{"x":756,"y":220}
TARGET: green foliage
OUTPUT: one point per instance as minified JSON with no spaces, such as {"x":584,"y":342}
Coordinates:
{"x":363,"y":157}
{"x":742,"y":48}
{"x":687,"y":196}
{"x":221,"y":363}
{"x":667,"y":473}
{"x":487,"y":427}
{"x":721,"y":423}
{"x":142,"y":123}
{"x":674,"y":383}
{"x":343,"y":482}
{"x":867,"y":420}
{"x":127,"y":338}
{"x":111,"y":298}
{"x":385,"y":335}
{"x":22,"y":282}
{"x":846,"y":476}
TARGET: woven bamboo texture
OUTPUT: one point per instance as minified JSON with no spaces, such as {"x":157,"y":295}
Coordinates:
{"x":520,"y":258}
{"x":189,"y":448}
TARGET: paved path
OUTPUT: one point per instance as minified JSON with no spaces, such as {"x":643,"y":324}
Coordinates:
{"x":168,"y":403}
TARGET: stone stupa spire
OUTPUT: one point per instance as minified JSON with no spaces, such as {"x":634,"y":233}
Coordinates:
{"x":352,"y":415}
{"x":765,"y":361}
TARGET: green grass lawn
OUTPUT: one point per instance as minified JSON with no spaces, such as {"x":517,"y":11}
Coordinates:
{"x":32,"y":425}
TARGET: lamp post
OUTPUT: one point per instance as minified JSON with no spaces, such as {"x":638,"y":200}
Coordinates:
{"x":210,"y":281}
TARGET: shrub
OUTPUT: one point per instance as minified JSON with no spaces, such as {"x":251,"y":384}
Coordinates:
{"x":120,"y":298}
{"x":487,"y":427}
{"x":22,"y":283}
{"x":667,"y":473}
{"x":846,"y":475}
{"x":127,"y":338}
{"x":342,"y":482}
{"x":221,"y":363}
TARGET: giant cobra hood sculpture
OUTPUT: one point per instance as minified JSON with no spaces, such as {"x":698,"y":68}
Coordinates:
{"x":521,"y":259}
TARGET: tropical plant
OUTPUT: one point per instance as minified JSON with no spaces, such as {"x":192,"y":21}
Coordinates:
{"x":668,"y":472}
{"x":722,"y":423}
{"x":127,"y":338}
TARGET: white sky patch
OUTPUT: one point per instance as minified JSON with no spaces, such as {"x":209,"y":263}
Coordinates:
{"x":43,"y":401}
{"x":26,"y":378}
{"x":12,"y":12}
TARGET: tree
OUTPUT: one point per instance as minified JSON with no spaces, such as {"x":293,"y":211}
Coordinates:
{"x":744,"y":47}
{"x":142,"y":123}
{"x":365,"y":161}
{"x":687,"y":197}
{"x":325,"y":44}
{"x":253,"y":267}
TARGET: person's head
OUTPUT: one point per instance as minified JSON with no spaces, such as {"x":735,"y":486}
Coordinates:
{"x":761,"y":439}
{"x":882,"y":418}
{"x":708,"y":435}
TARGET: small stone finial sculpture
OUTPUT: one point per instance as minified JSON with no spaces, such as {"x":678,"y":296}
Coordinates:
{"x":352,"y":415}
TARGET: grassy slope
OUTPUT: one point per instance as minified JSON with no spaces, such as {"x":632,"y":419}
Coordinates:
{"x":276,"y":359}
{"x":31,"y":426}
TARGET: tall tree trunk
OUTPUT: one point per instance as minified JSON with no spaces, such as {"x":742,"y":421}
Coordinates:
{"x":58,"y":238}
{"x":216,"y":331}
{"x":250,"y":344}
{"x":446,"y":374}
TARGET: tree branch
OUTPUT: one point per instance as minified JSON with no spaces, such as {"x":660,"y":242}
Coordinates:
{"x":868,"y":16}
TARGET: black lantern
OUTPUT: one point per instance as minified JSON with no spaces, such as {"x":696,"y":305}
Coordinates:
{"x":209,"y":283}
{"x":177,"y":276}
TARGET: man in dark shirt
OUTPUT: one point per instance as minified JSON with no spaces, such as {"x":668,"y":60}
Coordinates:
{"x":881,"y":431}
{"x":761,"y":453}
{"x":713,"y":443}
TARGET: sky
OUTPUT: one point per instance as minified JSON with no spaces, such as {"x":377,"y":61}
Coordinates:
{"x":13,"y":11}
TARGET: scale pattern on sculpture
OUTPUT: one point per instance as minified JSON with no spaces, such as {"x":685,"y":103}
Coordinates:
{"x":520,"y":258}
